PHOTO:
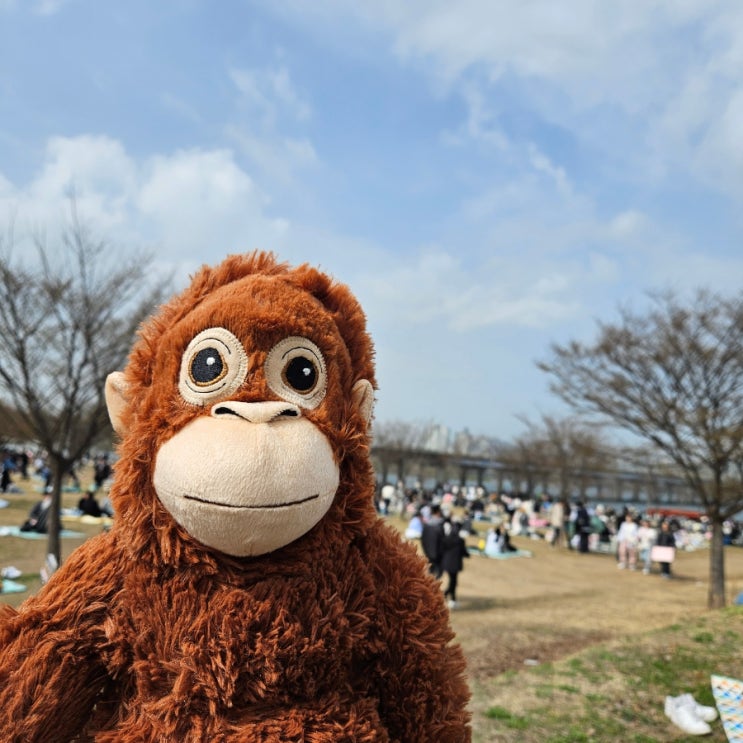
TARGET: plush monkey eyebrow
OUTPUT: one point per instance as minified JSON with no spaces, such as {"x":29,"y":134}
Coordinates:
{"x":274,"y":505}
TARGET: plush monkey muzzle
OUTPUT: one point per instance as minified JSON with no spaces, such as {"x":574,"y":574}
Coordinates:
{"x":248,"y":478}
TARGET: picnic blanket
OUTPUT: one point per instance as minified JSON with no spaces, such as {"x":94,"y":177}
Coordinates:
{"x":85,"y":519}
{"x":502,"y":555}
{"x":728,"y":693}
{"x":11,"y":586}
{"x":15,"y":531}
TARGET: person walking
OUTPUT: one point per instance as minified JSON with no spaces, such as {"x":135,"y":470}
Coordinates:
{"x":557,"y":521}
{"x":432,"y":537}
{"x":454,"y":550}
{"x":8,"y":466}
{"x":666,"y":539}
{"x":627,"y":540}
{"x":582,"y":526}
{"x":101,"y":471}
{"x":647,"y":536}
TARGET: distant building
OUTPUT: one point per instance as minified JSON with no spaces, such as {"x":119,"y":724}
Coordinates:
{"x":438,"y":439}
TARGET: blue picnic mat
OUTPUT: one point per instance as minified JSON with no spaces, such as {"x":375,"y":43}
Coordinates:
{"x":15,"y":531}
{"x":508,"y":555}
{"x":10,"y":586}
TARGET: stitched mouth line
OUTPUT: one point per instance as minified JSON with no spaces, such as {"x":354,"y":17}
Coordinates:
{"x":273,"y":505}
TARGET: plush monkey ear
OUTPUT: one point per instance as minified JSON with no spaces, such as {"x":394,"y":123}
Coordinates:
{"x":116,"y":400}
{"x":363,"y":398}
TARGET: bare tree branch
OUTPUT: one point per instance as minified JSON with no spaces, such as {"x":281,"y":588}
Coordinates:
{"x":673,"y":376}
{"x":68,"y":314}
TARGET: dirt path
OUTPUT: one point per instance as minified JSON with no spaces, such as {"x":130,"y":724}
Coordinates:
{"x":559,"y":601}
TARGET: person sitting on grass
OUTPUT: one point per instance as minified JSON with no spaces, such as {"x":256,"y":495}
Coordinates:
{"x":88,"y":505}
{"x":38,"y":517}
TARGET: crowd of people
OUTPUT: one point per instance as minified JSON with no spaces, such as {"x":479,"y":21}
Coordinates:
{"x":25,"y":464}
{"x":637,"y":539}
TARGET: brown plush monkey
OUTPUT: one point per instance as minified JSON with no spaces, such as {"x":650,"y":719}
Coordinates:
{"x":247,"y":590}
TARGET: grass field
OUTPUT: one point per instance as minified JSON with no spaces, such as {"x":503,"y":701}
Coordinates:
{"x":561,"y":647}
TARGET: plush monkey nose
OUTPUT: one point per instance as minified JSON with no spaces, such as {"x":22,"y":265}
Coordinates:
{"x":256,"y":412}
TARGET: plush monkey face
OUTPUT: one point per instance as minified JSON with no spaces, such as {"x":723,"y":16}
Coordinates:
{"x":248,"y":391}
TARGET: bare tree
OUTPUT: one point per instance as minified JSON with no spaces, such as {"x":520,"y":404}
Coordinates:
{"x":12,"y":428}
{"x":674,"y":377}
{"x":652,"y":463}
{"x":397,"y":443}
{"x":567,"y":447}
{"x":68,"y":314}
{"x":527,"y":459}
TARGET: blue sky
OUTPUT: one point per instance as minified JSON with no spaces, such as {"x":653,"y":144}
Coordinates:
{"x":488,"y":177}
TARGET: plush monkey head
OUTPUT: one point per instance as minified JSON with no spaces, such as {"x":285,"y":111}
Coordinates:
{"x":244,"y":410}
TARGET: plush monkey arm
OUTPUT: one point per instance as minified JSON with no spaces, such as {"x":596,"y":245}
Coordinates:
{"x":423,"y":691}
{"x":51,"y":672}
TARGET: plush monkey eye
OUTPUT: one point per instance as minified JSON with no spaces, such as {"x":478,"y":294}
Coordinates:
{"x":295,"y":371}
{"x":214,"y":365}
{"x":207,"y":367}
{"x":301,"y":374}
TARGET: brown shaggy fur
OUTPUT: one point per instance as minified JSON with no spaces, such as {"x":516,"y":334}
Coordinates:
{"x":146,"y":635}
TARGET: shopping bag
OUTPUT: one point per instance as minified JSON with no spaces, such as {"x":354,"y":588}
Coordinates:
{"x":662,"y":554}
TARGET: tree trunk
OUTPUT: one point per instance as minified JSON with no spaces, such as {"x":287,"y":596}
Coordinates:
{"x":385,"y":467}
{"x":716,"y":594}
{"x":54,"y":522}
{"x":401,"y":470}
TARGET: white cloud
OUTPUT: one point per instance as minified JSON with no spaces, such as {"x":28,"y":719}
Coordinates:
{"x":626,"y":225}
{"x":720,"y":153}
{"x":7,"y":189}
{"x":436,"y":287}
{"x":38,"y":7}
{"x":48,"y":7}
{"x":270,"y":93}
{"x":278,"y":158}
{"x":193,"y":206}
{"x":590,"y":48}
{"x":273,"y":106}
{"x":541,"y":163}
{"x":180,"y":107}
{"x":482,"y":123}
{"x":670,"y":70}
{"x":201,"y":200}
{"x":94,"y":169}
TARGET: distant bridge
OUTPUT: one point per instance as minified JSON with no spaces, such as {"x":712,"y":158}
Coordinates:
{"x":594,"y":486}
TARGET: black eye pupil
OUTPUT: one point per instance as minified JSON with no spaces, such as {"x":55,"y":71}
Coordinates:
{"x":206,"y":366}
{"x":301,"y":374}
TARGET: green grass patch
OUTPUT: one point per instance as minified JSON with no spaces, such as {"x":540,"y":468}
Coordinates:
{"x":514,"y":722}
{"x":616,"y":691}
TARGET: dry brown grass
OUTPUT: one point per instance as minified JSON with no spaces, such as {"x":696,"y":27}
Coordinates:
{"x":539,"y":609}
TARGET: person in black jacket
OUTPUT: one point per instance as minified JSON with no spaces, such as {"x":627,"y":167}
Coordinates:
{"x":431,"y":540}
{"x":454,"y":550}
{"x":666,"y":538}
{"x":88,"y":505}
{"x":583,"y":527}
{"x":39,"y":515}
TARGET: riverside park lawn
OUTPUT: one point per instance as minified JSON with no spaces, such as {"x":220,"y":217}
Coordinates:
{"x":561,"y":647}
